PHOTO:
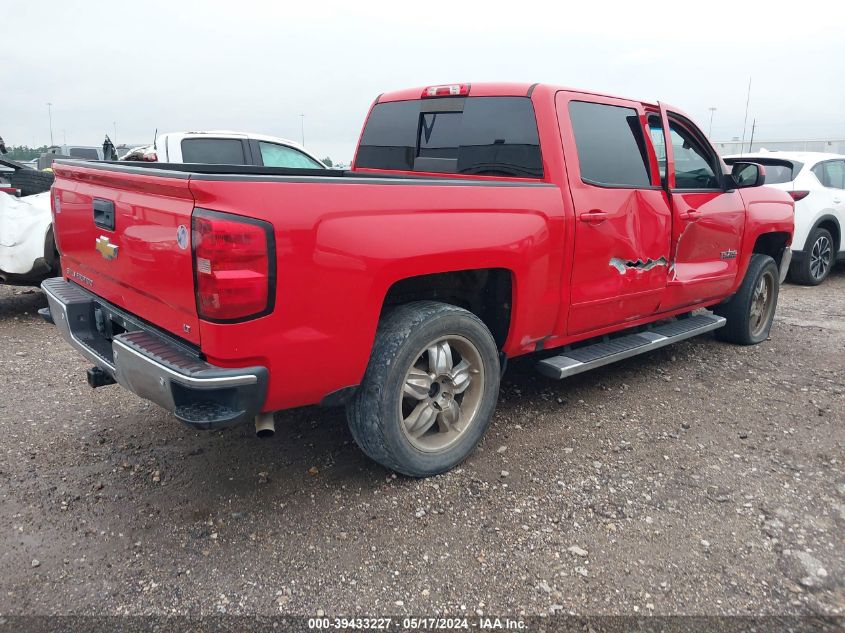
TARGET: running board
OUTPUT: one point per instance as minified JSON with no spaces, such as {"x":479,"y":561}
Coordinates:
{"x":591,"y":356}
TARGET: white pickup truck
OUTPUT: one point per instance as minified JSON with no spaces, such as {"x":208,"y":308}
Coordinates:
{"x":224,"y":147}
{"x":28,"y":251}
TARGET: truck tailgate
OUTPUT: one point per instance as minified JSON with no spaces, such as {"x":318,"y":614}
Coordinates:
{"x":127,"y":238}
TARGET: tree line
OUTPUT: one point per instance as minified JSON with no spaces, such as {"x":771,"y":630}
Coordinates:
{"x":24,"y":152}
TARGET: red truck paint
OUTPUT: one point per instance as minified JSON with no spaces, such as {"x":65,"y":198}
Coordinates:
{"x":342,"y":242}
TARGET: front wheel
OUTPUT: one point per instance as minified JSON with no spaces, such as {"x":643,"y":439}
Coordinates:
{"x":751,"y":310}
{"x":430,"y":389}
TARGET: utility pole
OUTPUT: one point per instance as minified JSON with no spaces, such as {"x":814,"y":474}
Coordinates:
{"x":302,"y":128}
{"x":712,"y":111}
{"x":50,"y":114}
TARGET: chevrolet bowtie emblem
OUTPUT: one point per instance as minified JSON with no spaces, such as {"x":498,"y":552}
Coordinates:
{"x":106,"y":248}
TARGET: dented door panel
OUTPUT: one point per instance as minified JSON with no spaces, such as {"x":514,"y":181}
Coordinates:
{"x":707,"y":224}
{"x":622,"y":236}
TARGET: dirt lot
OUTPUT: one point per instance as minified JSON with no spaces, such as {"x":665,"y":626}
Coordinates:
{"x":700,"y":479}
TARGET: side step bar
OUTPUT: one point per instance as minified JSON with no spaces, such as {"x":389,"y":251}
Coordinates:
{"x":605,"y":352}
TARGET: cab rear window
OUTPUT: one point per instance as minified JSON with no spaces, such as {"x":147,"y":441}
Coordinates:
{"x":778,"y":174}
{"x":84,"y":152}
{"x":213,"y":151}
{"x":486,"y":136}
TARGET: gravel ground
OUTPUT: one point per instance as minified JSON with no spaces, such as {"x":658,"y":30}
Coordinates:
{"x":700,"y":479}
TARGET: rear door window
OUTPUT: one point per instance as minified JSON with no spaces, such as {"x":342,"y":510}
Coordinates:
{"x":490,"y":136}
{"x":611,"y":145}
{"x":213,"y":151}
{"x":275,"y":155}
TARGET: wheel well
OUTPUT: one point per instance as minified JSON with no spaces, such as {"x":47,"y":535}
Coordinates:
{"x":772,"y":244}
{"x":833,"y":227}
{"x":51,"y":252}
{"x":486,"y":292}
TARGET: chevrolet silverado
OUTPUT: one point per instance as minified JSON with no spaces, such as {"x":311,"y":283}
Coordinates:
{"x":477,"y":223}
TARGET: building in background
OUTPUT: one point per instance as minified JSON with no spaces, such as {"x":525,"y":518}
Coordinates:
{"x":736,"y":146}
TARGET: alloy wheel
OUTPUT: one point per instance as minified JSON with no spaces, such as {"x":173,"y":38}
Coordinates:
{"x":820,"y":256}
{"x":441,"y":393}
{"x":762,"y":303}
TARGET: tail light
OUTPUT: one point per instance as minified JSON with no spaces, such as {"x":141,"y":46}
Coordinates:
{"x":56,"y":210}
{"x":799,"y":195}
{"x":12,"y":191}
{"x":234,"y":266}
{"x":452,"y":90}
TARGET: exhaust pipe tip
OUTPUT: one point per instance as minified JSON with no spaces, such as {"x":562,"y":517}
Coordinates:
{"x":265,"y":425}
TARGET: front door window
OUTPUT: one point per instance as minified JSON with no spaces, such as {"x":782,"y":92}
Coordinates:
{"x":693,"y":164}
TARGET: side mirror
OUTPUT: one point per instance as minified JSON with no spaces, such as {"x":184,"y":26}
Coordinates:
{"x":748,"y":175}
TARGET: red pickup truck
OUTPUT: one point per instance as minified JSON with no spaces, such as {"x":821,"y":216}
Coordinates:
{"x":478,"y":222}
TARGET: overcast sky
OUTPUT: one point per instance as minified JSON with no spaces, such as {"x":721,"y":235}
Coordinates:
{"x":256,"y":66}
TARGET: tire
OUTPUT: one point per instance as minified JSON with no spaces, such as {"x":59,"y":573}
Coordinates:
{"x":818,"y":260}
{"x":427,"y":359}
{"x":30,"y":181}
{"x":751,"y":310}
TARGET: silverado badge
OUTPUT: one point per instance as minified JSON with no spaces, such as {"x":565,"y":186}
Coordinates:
{"x":106,"y":248}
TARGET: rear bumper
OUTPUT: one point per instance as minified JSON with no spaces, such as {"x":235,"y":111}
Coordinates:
{"x":153,"y":365}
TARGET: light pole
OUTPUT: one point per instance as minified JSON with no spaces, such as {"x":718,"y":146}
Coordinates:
{"x":50,"y":114}
{"x":712,"y":111}
{"x":302,"y":128}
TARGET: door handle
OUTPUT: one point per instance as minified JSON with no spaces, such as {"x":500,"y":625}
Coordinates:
{"x":594,"y":216}
{"x":692,"y":215}
{"x":104,"y":213}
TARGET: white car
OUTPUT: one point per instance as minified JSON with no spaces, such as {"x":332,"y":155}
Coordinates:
{"x":27,"y":251}
{"x":223,"y":147}
{"x":816,"y":181}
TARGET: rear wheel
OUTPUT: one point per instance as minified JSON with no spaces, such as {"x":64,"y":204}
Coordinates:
{"x":815,"y":266}
{"x":429,"y":391}
{"x":751,"y":310}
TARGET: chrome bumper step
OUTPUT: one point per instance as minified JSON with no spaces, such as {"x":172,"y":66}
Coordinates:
{"x":151,"y":363}
{"x":609,"y":351}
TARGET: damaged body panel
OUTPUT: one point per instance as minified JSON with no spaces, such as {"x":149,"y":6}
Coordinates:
{"x":27,"y":254}
{"x":628,"y":223}
{"x":624,"y":266}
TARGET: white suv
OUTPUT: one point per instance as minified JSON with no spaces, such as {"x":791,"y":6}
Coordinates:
{"x":816,"y":181}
